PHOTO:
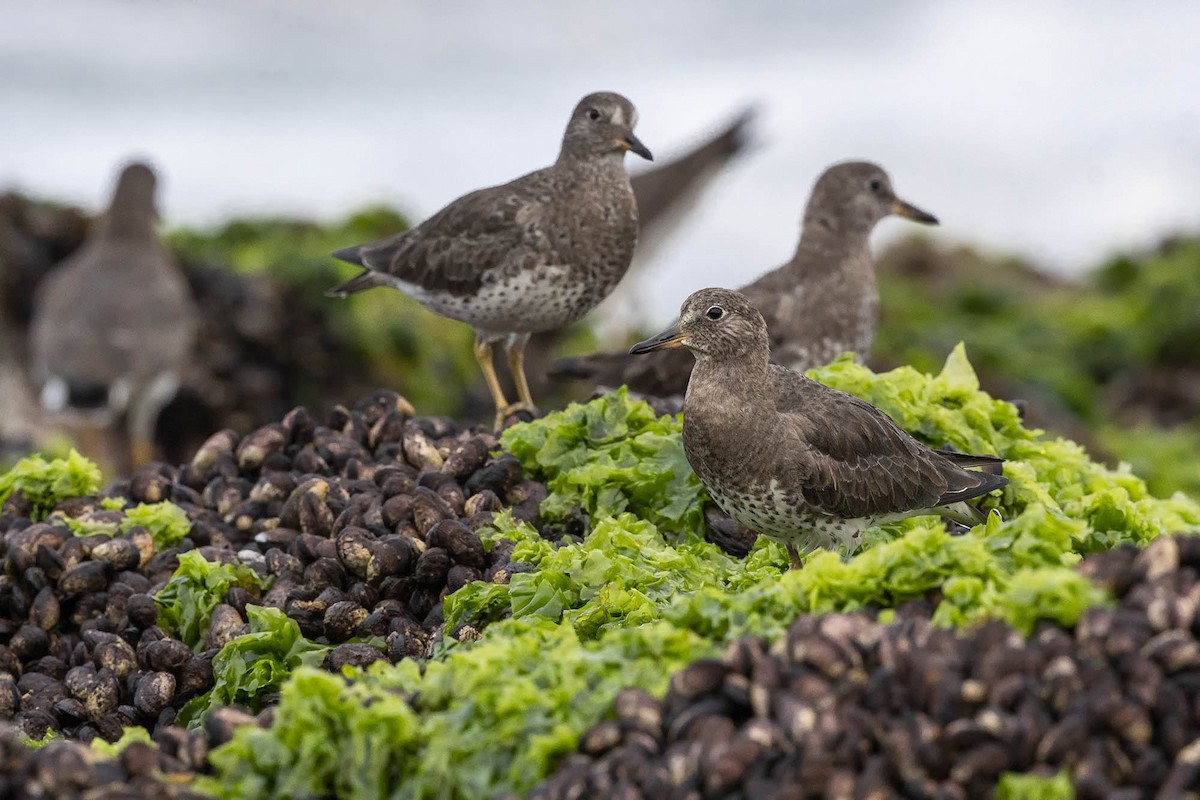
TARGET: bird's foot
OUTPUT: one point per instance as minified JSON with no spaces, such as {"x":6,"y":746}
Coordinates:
{"x":503,"y":414}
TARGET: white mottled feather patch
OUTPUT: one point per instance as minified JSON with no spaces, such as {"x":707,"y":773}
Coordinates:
{"x":779,"y":515}
{"x":526,"y":302}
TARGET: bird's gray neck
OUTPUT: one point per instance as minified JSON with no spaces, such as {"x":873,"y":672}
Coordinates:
{"x":740,"y":377}
{"x":127,"y":223}
{"x":847,"y":232}
{"x":591,"y":166}
{"x":827,"y":243}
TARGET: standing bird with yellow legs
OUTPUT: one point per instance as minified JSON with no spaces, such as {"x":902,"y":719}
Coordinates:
{"x":531,"y":255}
{"x":113,"y":327}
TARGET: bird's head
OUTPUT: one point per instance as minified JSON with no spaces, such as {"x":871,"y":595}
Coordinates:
{"x":855,"y":195}
{"x":602,"y":124}
{"x":132,"y":212}
{"x":716,"y":325}
{"x":135,"y":187}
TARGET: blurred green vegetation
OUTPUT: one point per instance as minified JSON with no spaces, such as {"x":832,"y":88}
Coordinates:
{"x":1112,"y":359}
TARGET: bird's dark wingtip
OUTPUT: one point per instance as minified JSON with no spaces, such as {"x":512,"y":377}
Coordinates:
{"x":992,"y":481}
{"x":367,"y":279}
{"x":742,"y":130}
{"x":992,"y":464}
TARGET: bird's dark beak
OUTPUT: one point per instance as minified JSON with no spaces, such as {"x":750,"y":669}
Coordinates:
{"x":631,"y":142}
{"x":908,"y":210}
{"x":671,"y":337}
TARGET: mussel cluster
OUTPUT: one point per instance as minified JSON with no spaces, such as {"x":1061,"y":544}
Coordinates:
{"x":65,"y":769}
{"x":846,"y":707}
{"x":364,"y":521}
{"x":362,"y":524}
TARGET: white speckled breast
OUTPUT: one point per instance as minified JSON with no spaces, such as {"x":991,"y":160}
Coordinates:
{"x":527,"y":302}
{"x":773,"y":513}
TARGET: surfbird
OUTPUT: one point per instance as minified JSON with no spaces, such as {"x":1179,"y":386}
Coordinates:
{"x":793,"y":459}
{"x":113,"y":324}
{"x":666,"y":195}
{"x":531,"y":255}
{"x":818,"y":305}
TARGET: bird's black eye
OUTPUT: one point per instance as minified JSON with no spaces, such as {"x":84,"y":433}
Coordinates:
{"x":875,"y":184}
{"x":593,"y":114}
{"x":715,"y":312}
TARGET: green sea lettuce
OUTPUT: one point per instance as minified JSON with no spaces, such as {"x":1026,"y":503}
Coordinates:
{"x":187,"y":601}
{"x":47,"y":737}
{"x":1035,"y":787}
{"x":489,"y":718}
{"x":167,"y":522}
{"x":608,"y":456}
{"x":44,"y":483}
{"x":255,"y":663}
{"x":623,"y":574}
{"x":131,"y":734}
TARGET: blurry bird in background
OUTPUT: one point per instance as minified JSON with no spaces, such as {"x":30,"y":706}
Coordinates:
{"x":17,"y":407}
{"x":821,"y":303}
{"x":112,"y":329}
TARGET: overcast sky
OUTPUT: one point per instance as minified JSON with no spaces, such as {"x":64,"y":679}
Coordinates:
{"x":1061,"y":131}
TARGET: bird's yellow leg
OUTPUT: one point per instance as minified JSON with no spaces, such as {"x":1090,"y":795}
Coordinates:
{"x":794,"y":560}
{"x":483,"y":355}
{"x":92,"y":442}
{"x":96,"y":442}
{"x":515,"y":353}
{"x":141,"y":450}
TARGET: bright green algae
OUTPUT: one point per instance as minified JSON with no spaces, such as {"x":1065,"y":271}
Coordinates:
{"x":187,"y":602}
{"x":255,"y":664}
{"x":1035,"y":787}
{"x":643,"y":594}
{"x":166,"y":522}
{"x":44,"y":482}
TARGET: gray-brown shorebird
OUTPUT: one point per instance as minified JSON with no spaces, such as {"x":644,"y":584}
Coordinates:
{"x":818,"y":305}
{"x":531,"y":255}
{"x":793,"y":459}
{"x":113,"y":324}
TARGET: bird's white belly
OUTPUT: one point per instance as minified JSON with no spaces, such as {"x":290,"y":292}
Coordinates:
{"x":526,"y":302}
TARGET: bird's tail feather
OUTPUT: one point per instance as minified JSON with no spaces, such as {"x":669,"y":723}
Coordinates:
{"x":351,"y":255}
{"x":367,"y":279}
{"x":967,"y":484}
